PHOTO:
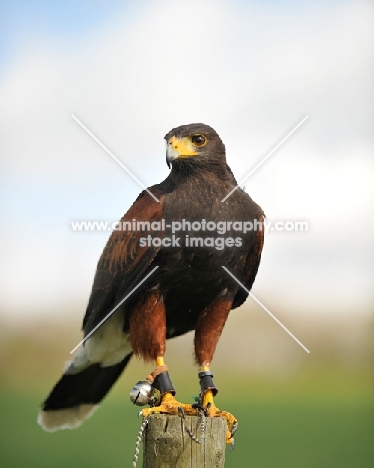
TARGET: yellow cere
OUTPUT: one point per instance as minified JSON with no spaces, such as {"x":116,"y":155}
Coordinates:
{"x":183,"y":146}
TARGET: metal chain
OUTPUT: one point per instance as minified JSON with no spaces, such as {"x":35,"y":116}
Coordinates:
{"x":138,"y":442}
{"x":202,"y":428}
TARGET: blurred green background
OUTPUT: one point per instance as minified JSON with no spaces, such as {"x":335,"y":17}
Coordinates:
{"x":294,"y":409}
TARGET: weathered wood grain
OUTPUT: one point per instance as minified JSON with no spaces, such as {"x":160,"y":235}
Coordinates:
{"x":167,"y":444}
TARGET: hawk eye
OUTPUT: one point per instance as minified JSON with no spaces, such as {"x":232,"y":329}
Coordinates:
{"x":199,"y":140}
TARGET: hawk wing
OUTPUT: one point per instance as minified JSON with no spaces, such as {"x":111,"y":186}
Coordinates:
{"x":124,"y":261}
{"x":251,"y":266}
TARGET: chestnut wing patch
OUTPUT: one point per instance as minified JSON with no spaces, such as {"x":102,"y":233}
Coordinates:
{"x":124,"y":261}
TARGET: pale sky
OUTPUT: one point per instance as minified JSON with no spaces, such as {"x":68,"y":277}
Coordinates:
{"x":251,"y":70}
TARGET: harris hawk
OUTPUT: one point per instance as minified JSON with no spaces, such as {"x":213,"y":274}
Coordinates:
{"x":188,"y":291}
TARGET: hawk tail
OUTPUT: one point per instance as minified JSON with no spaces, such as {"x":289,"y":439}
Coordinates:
{"x":78,"y":394}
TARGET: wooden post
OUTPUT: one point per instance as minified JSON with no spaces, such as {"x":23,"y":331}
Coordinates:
{"x":167,"y":444}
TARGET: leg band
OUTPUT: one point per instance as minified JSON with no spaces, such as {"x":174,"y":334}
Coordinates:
{"x":163,"y":384}
{"x":206,"y":382}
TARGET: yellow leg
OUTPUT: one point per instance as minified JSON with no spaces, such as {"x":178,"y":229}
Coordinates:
{"x":168,"y":403}
{"x":160,"y":361}
{"x":214,"y":412}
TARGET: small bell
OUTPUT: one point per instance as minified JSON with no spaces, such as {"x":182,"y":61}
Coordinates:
{"x":141,"y":393}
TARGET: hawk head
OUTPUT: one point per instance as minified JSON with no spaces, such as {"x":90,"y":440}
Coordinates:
{"x":196,"y":143}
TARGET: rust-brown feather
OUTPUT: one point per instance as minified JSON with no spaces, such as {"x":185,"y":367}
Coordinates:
{"x":209,"y":329}
{"x":148,"y":327}
{"x":123,"y":262}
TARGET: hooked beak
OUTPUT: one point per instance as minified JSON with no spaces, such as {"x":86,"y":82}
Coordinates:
{"x":179,"y":148}
{"x":171,"y":154}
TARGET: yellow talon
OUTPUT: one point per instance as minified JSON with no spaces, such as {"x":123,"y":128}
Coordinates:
{"x":214,"y":412}
{"x":170,"y":405}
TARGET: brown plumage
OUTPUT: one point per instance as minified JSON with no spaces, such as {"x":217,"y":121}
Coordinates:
{"x":189,"y":291}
